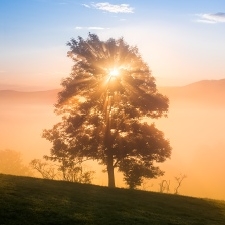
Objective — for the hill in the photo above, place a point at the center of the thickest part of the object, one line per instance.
(205, 92)
(26, 200)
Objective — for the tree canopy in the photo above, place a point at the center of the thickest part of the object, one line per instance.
(103, 103)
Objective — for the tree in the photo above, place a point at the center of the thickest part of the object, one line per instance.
(179, 180)
(69, 172)
(164, 185)
(11, 163)
(103, 102)
(46, 170)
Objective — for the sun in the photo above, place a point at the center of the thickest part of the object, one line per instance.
(113, 72)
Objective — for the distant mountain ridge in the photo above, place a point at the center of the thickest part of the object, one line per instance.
(204, 91)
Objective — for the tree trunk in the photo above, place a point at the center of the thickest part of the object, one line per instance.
(107, 142)
(110, 170)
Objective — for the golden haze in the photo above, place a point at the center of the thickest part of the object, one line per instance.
(195, 127)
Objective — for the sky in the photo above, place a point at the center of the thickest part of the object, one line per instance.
(182, 41)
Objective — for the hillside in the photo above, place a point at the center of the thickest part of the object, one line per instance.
(26, 200)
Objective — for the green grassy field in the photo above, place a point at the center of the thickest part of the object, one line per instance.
(32, 201)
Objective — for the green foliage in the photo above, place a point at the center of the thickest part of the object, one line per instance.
(11, 163)
(102, 114)
(36, 201)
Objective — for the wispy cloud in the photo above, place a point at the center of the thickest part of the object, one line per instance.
(91, 28)
(85, 5)
(211, 18)
(107, 7)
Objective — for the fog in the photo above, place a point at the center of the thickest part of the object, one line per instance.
(195, 128)
(197, 137)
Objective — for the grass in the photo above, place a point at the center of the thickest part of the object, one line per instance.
(25, 200)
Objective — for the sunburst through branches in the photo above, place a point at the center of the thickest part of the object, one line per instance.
(118, 90)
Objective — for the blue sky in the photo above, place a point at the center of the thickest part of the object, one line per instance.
(182, 41)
